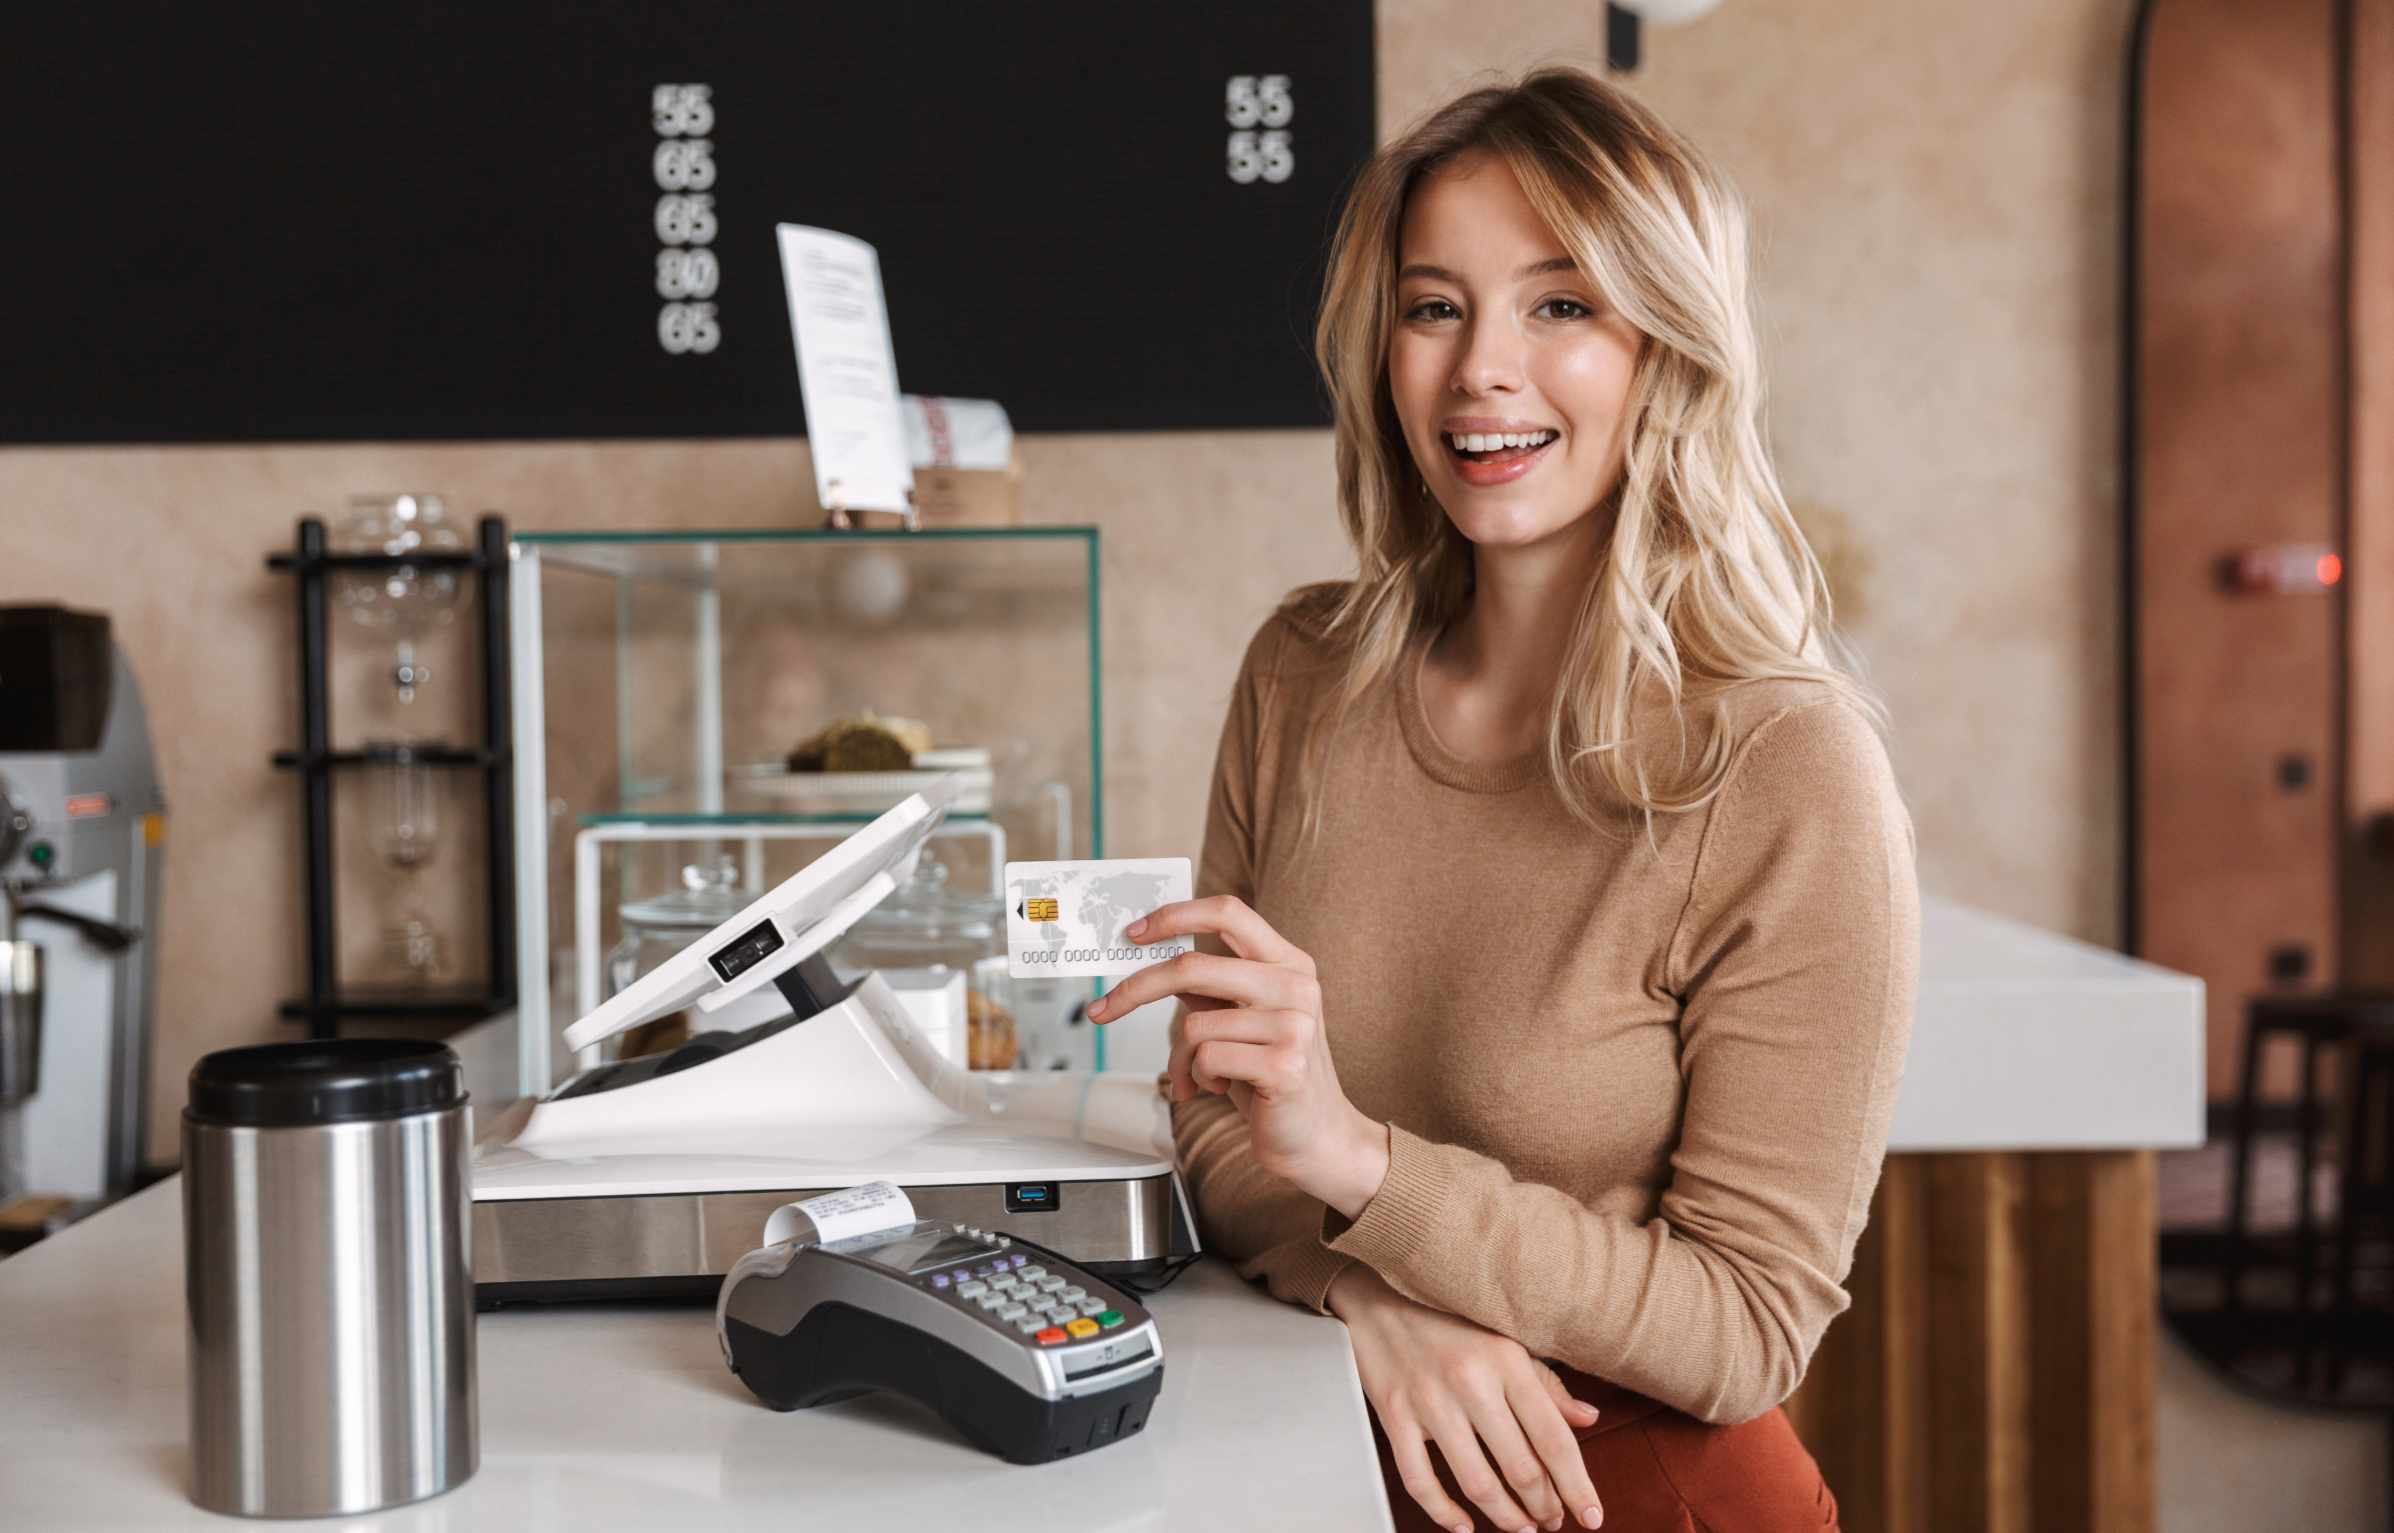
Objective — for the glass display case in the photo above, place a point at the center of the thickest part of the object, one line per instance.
(699, 714)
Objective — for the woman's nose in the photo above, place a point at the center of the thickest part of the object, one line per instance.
(1491, 360)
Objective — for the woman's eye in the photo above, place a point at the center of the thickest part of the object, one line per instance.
(1577, 310)
(1431, 308)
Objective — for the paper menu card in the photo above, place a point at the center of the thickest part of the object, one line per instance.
(847, 369)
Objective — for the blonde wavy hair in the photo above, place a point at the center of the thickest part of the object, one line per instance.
(1706, 583)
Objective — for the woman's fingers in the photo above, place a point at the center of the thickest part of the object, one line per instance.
(1420, 1480)
(1215, 1066)
(1547, 1424)
(1176, 1066)
(1237, 1024)
(1504, 1430)
(1581, 1413)
(1473, 1477)
(1242, 981)
(1228, 917)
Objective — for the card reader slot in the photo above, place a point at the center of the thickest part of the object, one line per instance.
(740, 955)
(1075, 1375)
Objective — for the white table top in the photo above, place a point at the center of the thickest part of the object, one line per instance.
(2025, 1040)
(623, 1417)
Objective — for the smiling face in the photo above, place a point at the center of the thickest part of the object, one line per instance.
(1509, 375)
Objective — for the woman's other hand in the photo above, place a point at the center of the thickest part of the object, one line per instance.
(1252, 1030)
(1436, 1377)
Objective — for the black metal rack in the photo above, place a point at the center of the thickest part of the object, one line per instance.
(327, 1002)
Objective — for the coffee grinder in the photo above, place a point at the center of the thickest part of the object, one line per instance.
(82, 837)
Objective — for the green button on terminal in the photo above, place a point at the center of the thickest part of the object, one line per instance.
(1110, 1319)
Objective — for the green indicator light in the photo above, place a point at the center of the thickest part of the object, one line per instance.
(41, 854)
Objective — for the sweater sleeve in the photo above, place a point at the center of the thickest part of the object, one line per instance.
(1261, 1222)
(1796, 962)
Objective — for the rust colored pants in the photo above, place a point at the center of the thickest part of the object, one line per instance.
(1657, 1470)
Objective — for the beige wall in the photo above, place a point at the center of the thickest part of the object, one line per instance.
(1936, 193)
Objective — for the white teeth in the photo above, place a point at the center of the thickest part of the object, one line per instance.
(1491, 441)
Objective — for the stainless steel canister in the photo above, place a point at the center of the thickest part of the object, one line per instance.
(328, 1278)
(20, 1021)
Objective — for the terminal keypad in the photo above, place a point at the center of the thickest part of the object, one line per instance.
(1022, 1298)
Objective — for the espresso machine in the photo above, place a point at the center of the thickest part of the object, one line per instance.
(82, 838)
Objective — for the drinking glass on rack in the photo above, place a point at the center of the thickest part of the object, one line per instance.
(407, 829)
(406, 601)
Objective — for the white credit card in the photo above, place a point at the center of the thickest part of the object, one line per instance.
(1066, 918)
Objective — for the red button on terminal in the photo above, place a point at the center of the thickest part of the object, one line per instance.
(1051, 1336)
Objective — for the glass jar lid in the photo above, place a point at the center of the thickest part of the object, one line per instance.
(709, 896)
(925, 915)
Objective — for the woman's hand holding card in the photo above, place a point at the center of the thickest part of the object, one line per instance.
(1252, 1030)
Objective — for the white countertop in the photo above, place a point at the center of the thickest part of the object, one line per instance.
(623, 1417)
(2025, 1040)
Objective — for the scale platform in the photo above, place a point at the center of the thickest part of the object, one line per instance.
(648, 1178)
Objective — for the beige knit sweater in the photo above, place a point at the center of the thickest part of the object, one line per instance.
(1637, 1091)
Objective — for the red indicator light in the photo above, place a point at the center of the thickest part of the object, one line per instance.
(2282, 569)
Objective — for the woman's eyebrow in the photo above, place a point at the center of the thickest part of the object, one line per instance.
(1534, 269)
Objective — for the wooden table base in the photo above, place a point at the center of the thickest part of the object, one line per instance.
(1996, 1371)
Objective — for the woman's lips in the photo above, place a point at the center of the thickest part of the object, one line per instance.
(1481, 470)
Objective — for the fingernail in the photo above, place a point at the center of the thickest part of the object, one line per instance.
(1593, 1517)
(1137, 928)
(1097, 1008)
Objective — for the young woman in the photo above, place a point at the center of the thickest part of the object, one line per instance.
(1559, 929)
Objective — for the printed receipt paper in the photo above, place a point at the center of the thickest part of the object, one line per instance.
(1066, 918)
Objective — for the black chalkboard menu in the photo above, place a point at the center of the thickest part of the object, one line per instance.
(282, 220)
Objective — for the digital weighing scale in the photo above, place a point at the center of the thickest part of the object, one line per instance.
(650, 1177)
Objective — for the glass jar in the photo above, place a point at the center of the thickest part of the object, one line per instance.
(943, 952)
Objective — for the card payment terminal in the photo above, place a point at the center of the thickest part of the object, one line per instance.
(1028, 1356)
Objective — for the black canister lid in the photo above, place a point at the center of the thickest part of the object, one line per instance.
(337, 1080)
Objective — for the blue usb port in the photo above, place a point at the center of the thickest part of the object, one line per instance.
(1032, 1197)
